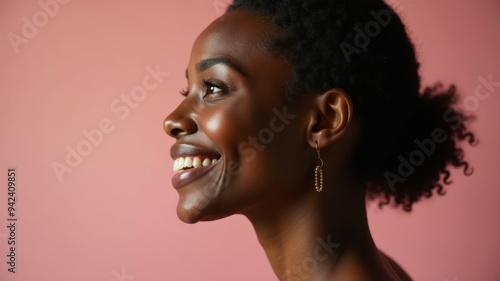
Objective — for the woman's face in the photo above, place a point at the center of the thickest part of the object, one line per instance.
(235, 115)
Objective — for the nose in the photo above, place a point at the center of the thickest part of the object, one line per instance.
(180, 122)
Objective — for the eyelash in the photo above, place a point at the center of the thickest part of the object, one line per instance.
(184, 92)
(207, 85)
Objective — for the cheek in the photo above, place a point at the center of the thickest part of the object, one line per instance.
(282, 160)
(261, 148)
(225, 128)
(232, 124)
(273, 155)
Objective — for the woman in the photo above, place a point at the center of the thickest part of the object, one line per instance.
(295, 112)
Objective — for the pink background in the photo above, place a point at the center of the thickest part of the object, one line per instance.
(115, 212)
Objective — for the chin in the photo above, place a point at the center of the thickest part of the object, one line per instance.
(193, 213)
(187, 219)
(192, 218)
(188, 213)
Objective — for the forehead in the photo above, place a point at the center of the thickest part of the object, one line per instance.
(237, 34)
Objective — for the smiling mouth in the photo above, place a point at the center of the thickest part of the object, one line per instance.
(192, 162)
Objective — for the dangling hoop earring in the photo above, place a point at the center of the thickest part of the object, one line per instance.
(318, 183)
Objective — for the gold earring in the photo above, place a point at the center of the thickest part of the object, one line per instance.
(318, 169)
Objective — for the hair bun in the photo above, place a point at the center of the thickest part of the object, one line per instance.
(417, 163)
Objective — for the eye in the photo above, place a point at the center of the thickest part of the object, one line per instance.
(212, 88)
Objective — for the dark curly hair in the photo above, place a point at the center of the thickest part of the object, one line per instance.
(408, 139)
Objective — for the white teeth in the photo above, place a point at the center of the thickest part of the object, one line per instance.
(196, 162)
(192, 162)
(188, 162)
(178, 163)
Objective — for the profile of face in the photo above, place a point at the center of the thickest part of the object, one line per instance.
(254, 118)
(241, 146)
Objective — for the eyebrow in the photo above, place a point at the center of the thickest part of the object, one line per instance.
(207, 63)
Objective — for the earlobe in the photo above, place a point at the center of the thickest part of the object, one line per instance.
(332, 115)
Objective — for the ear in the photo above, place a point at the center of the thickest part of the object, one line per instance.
(329, 118)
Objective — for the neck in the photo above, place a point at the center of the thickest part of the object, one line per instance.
(316, 237)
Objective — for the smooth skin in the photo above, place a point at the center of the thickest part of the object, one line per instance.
(236, 107)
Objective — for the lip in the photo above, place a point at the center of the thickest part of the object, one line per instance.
(184, 177)
(183, 150)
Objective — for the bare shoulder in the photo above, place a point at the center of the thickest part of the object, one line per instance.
(398, 270)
